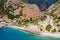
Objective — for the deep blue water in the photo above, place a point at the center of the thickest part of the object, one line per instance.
(45, 3)
(7, 33)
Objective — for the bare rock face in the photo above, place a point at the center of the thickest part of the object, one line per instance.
(31, 11)
(11, 6)
(17, 11)
(55, 8)
(12, 2)
(58, 10)
(51, 8)
(17, 7)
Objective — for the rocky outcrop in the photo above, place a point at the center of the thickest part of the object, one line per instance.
(55, 8)
(57, 12)
(19, 7)
(31, 11)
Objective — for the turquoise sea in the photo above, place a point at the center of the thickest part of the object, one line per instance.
(7, 33)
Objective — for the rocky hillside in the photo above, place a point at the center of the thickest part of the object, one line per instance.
(20, 9)
(20, 12)
(23, 10)
(54, 11)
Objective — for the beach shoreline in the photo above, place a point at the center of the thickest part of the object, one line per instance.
(44, 34)
(35, 29)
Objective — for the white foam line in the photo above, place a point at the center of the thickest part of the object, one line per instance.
(57, 35)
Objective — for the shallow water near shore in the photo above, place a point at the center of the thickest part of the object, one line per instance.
(7, 33)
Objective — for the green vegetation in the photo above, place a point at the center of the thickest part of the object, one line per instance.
(58, 30)
(54, 30)
(58, 25)
(48, 27)
(26, 22)
(3, 11)
(10, 16)
(41, 29)
(2, 7)
(30, 21)
(53, 15)
(43, 18)
(58, 17)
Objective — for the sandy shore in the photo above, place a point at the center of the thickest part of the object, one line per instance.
(56, 35)
(34, 29)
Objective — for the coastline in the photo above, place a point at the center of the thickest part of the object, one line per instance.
(45, 34)
(44, 23)
(34, 29)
